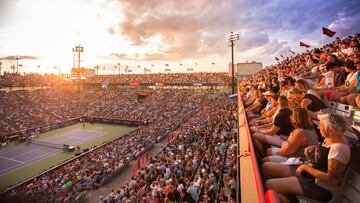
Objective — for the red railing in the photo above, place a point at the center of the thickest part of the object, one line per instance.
(248, 150)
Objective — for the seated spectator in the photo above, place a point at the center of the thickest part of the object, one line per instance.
(249, 97)
(303, 86)
(339, 93)
(329, 166)
(254, 111)
(351, 98)
(302, 136)
(280, 128)
(326, 81)
(284, 88)
(267, 116)
(309, 102)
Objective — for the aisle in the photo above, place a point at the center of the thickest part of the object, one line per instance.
(120, 179)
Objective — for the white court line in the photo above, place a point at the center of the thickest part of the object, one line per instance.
(27, 152)
(14, 160)
(42, 156)
(24, 164)
(37, 149)
(73, 137)
(14, 149)
(9, 169)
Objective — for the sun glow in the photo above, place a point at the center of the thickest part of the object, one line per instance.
(50, 29)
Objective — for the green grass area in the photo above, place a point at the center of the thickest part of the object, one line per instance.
(34, 168)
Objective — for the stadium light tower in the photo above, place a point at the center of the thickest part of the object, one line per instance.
(79, 49)
(97, 69)
(17, 58)
(231, 39)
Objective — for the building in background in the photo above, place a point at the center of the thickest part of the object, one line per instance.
(242, 70)
(81, 73)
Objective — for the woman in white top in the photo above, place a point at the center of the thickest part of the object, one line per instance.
(330, 160)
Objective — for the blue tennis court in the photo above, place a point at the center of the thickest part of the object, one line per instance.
(24, 154)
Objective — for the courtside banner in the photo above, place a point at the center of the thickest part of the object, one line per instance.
(160, 84)
(134, 84)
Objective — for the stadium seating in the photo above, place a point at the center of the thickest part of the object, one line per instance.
(299, 67)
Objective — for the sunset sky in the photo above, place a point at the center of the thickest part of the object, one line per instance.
(145, 32)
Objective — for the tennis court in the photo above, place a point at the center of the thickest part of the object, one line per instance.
(26, 153)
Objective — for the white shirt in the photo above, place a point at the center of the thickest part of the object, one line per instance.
(340, 152)
(328, 77)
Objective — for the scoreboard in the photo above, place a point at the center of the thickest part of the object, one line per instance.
(81, 73)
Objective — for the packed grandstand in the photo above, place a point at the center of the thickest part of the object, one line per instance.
(298, 111)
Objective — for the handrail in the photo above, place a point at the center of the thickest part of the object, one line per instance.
(258, 182)
(246, 154)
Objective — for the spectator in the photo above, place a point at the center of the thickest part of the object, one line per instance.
(302, 136)
(280, 127)
(333, 152)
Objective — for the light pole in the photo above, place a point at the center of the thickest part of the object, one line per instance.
(119, 67)
(97, 69)
(17, 58)
(231, 39)
(73, 51)
(79, 49)
(0, 67)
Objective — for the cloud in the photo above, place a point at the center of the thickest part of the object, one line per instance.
(23, 57)
(186, 29)
(346, 25)
(194, 29)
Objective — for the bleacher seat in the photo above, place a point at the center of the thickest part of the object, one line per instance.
(343, 110)
(348, 190)
(350, 113)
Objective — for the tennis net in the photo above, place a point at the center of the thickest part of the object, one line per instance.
(47, 144)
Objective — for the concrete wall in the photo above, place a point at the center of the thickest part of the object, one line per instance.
(244, 69)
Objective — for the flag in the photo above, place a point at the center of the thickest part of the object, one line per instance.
(276, 58)
(328, 32)
(291, 51)
(212, 63)
(166, 64)
(180, 64)
(302, 44)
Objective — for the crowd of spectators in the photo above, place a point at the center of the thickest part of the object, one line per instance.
(162, 78)
(329, 72)
(65, 183)
(21, 110)
(29, 79)
(190, 167)
(35, 79)
(282, 101)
